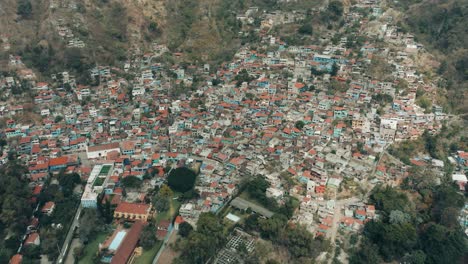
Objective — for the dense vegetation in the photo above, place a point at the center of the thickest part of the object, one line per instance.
(161, 200)
(24, 8)
(131, 182)
(181, 179)
(421, 230)
(203, 243)
(15, 208)
(441, 26)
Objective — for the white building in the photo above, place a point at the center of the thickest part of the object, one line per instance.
(94, 152)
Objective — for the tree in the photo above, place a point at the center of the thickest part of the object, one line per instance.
(49, 242)
(105, 209)
(67, 182)
(306, 29)
(89, 224)
(32, 252)
(430, 143)
(367, 254)
(131, 182)
(398, 217)
(15, 208)
(270, 228)
(5, 255)
(442, 245)
(3, 142)
(251, 222)
(393, 240)
(205, 242)
(449, 217)
(24, 8)
(181, 179)
(405, 235)
(299, 124)
(290, 205)
(161, 203)
(148, 236)
(334, 70)
(415, 257)
(388, 199)
(58, 118)
(243, 76)
(301, 243)
(335, 9)
(445, 197)
(185, 229)
(153, 27)
(165, 191)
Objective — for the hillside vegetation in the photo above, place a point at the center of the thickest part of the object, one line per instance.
(441, 27)
(112, 30)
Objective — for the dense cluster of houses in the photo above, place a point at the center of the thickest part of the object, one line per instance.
(294, 117)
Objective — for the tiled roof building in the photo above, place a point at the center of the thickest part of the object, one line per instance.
(133, 211)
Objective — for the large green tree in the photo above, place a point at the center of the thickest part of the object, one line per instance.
(131, 182)
(24, 8)
(429, 235)
(205, 242)
(181, 179)
(15, 207)
(148, 236)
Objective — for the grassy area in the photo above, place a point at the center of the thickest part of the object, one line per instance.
(105, 169)
(148, 255)
(92, 248)
(162, 216)
(99, 181)
(168, 215)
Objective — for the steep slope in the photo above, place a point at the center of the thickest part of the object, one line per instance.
(112, 30)
(441, 27)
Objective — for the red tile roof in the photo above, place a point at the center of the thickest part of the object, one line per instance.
(16, 259)
(58, 161)
(179, 219)
(48, 206)
(360, 212)
(128, 244)
(133, 208)
(114, 145)
(37, 176)
(37, 190)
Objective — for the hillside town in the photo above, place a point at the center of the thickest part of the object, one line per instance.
(315, 121)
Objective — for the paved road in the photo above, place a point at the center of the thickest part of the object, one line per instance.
(66, 243)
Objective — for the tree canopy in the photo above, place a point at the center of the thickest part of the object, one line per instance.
(203, 243)
(131, 182)
(185, 229)
(181, 179)
(243, 76)
(148, 236)
(15, 209)
(24, 8)
(406, 235)
(335, 8)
